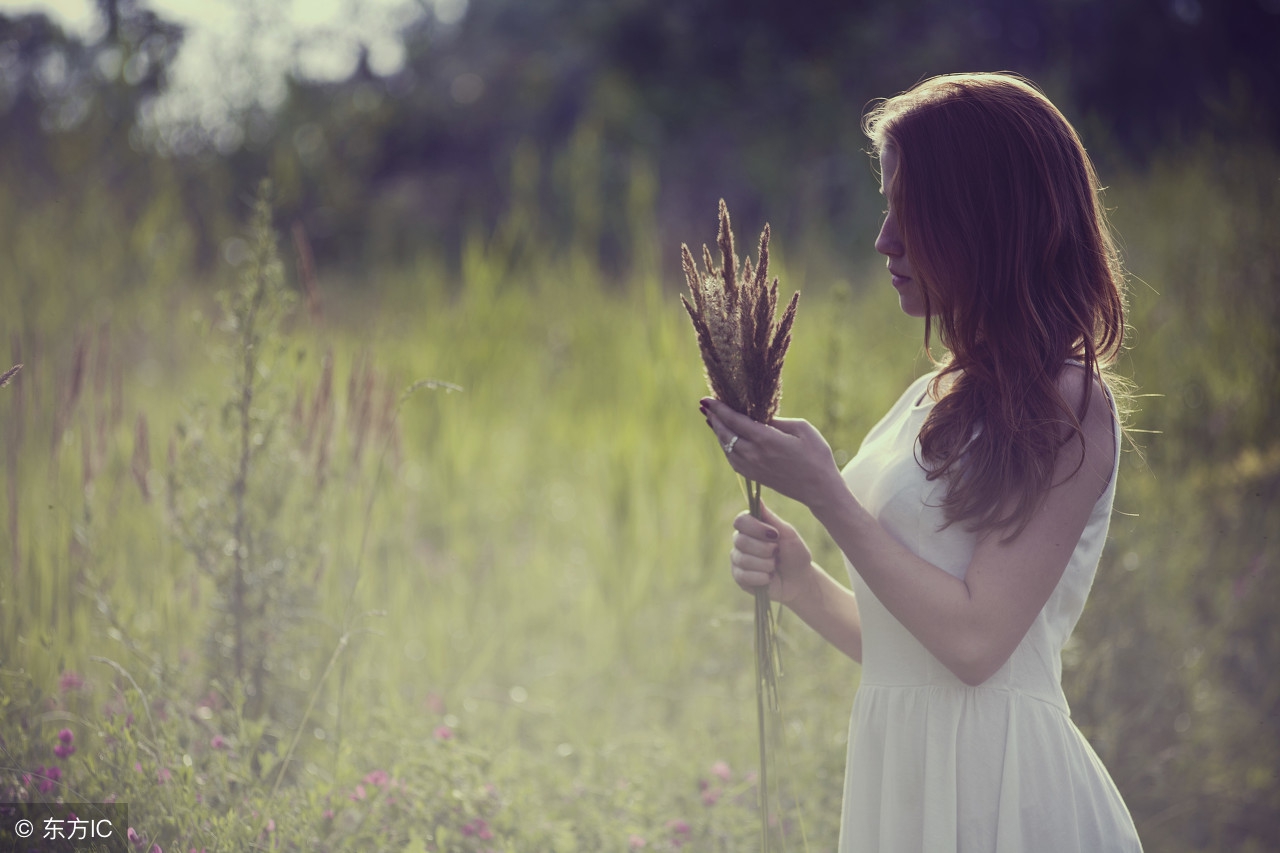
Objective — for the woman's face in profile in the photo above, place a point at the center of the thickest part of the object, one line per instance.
(889, 243)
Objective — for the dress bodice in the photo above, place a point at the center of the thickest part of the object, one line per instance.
(889, 480)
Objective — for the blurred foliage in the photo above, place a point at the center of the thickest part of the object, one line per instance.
(1168, 670)
(755, 101)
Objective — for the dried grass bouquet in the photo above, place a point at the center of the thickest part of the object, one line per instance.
(743, 348)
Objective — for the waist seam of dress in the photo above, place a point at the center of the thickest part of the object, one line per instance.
(1056, 704)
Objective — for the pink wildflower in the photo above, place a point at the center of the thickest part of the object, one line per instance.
(155, 848)
(377, 778)
(444, 733)
(70, 680)
(328, 814)
(48, 780)
(66, 746)
(483, 832)
(359, 793)
(218, 742)
(163, 775)
(721, 769)
(134, 838)
(636, 842)
(679, 827)
(711, 796)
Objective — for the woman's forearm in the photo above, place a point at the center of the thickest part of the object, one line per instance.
(830, 609)
(932, 604)
(972, 625)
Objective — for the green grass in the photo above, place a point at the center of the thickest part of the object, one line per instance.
(544, 566)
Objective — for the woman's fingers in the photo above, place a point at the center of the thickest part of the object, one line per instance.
(749, 580)
(753, 559)
(727, 439)
(750, 547)
(752, 562)
(734, 430)
(751, 569)
(727, 417)
(748, 525)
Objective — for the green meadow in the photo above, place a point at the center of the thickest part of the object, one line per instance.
(433, 555)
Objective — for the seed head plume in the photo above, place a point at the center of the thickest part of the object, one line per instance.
(733, 314)
(742, 346)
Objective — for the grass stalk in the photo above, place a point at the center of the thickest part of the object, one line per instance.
(768, 670)
(358, 573)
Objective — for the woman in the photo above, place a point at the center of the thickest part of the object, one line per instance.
(973, 516)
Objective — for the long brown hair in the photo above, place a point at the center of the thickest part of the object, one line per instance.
(999, 211)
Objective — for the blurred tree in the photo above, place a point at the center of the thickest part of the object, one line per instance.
(750, 100)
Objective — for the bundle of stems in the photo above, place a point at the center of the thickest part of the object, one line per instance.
(743, 345)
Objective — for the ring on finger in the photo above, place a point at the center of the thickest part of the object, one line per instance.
(728, 445)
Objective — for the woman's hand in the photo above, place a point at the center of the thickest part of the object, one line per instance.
(787, 455)
(769, 552)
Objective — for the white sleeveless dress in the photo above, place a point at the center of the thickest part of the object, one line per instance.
(935, 765)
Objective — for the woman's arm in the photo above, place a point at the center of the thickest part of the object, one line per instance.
(973, 625)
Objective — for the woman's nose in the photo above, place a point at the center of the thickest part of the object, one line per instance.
(887, 241)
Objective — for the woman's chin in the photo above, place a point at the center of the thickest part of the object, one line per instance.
(911, 303)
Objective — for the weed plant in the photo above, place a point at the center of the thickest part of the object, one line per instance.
(240, 498)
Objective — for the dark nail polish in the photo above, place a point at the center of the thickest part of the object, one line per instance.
(772, 534)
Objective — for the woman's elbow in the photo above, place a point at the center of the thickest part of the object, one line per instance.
(974, 675)
(974, 663)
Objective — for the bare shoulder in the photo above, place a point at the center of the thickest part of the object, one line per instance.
(1091, 402)
(1074, 384)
